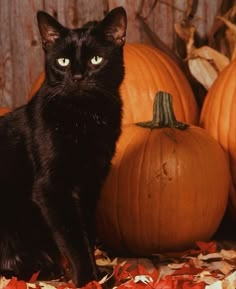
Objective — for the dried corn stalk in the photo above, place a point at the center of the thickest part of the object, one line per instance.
(230, 34)
(205, 63)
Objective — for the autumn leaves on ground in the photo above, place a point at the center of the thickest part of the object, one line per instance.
(206, 266)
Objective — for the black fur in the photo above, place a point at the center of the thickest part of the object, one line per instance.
(56, 151)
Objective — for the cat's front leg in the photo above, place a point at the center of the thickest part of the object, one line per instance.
(60, 211)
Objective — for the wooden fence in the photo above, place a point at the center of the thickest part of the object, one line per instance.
(21, 56)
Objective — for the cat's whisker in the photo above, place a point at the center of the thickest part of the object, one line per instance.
(55, 91)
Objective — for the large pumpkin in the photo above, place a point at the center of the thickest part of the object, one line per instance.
(148, 70)
(218, 117)
(167, 188)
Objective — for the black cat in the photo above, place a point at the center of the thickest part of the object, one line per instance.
(56, 151)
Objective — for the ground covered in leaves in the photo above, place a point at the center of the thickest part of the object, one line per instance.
(209, 265)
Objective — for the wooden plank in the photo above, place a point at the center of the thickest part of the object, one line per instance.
(74, 13)
(6, 65)
(26, 58)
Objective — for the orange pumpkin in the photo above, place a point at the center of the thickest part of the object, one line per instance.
(148, 70)
(4, 110)
(167, 188)
(218, 117)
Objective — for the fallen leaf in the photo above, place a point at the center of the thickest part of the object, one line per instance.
(195, 261)
(3, 282)
(143, 279)
(206, 277)
(228, 254)
(176, 266)
(121, 272)
(207, 247)
(34, 277)
(217, 285)
(187, 270)
(210, 256)
(44, 285)
(222, 266)
(16, 284)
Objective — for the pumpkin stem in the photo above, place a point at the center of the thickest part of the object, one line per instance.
(163, 113)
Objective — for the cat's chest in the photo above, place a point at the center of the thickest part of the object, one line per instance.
(81, 130)
(84, 143)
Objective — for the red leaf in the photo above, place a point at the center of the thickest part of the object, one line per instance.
(66, 285)
(203, 247)
(154, 274)
(34, 277)
(21, 285)
(15, 284)
(190, 285)
(139, 270)
(92, 285)
(207, 247)
(166, 283)
(121, 272)
(11, 284)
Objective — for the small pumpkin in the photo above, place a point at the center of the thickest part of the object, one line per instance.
(148, 70)
(218, 117)
(167, 188)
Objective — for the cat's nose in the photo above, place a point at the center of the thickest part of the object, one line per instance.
(77, 77)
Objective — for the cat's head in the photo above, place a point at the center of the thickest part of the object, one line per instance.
(79, 60)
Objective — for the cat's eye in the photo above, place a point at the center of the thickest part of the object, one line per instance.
(64, 62)
(96, 60)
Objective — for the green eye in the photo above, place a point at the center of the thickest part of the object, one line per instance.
(63, 62)
(96, 60)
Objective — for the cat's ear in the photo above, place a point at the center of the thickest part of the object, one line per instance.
(114, 25)
(50, 30)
